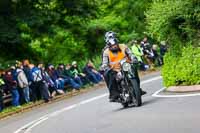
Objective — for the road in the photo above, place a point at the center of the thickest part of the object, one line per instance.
(92, 113)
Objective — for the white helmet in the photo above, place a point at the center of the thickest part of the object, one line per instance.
(110, 36)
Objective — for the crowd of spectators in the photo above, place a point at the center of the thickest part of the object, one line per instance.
(27, 82)
(147, 54)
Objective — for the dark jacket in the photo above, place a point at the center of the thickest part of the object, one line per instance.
(68, 73)
(163, 50)
(60, 73)
(88, 70)
(10, 82)
(53, 74)
(28, 74)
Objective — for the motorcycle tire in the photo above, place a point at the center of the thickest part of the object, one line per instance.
(125, 105)
(137, 93)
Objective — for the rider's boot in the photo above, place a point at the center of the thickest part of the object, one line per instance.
(143, 92)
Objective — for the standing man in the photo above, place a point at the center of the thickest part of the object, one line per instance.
(23, 83)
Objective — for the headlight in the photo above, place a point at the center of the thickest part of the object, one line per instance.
(126, 67)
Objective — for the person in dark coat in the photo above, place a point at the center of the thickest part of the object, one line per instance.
(11, 83)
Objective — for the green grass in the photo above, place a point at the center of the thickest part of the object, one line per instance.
(15, 109)
(9, 110)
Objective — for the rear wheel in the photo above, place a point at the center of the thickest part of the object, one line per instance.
(137, 93)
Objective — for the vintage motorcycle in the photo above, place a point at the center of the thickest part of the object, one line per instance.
(130, 92)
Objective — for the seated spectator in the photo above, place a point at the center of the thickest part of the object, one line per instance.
(11, 83)
(2, 83)
(69, 72)
(77, 73)
(67, 79)
(58, 82)
(92, 74)
(49, 84)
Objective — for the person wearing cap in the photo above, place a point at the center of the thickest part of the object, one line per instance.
(112, 54)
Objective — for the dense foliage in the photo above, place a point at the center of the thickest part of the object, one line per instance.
(177, 22)
(64, 30)
(183, 69)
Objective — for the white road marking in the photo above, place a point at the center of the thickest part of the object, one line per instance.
(35, 124)
(29, 124)
(94, 98)
(62, 110)
(28, 127)
(156, 94)
(150, 80)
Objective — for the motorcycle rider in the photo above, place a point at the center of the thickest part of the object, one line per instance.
(113, 52)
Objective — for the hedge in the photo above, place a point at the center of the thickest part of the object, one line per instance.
(183, 69)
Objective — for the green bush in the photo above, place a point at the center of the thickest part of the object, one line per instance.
(183, 69)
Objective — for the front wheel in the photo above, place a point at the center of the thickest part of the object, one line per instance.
(137, 93)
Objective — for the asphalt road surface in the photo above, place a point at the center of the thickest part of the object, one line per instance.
(92, 113)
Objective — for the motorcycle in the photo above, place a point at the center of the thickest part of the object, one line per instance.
(130, 93)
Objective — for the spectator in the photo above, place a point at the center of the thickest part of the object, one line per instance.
(49, 84)
(157, 59)
(12, 85)
(28, 74)
(59, 84)
(76, 73)
(68, 72)
(27, 70)
(22, 83)
(67, 79)
(39, 87)
(2, 83)
(147, 50)
(92, 74)
(137, 51)
(163, 49)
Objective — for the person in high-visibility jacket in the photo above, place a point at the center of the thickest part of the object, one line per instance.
(138, 52)
(113, 53)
